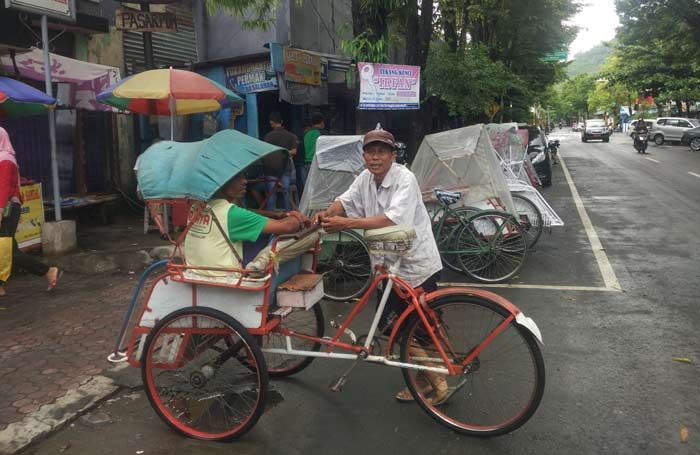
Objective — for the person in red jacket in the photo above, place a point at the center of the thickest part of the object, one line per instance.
(10, 208)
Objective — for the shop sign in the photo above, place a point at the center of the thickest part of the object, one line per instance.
(144, 21)
(32, 217)
(63, 9)
(251, 77)
(302, 67)
(389, 87)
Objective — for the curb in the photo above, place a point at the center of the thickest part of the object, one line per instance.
(51, 417)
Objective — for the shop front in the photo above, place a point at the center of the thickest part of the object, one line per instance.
(294, 82)
(86, 152)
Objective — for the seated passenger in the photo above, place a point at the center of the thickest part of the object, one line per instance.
(215, 239)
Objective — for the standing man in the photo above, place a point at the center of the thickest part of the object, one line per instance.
(279, 165)
(387, 194)
(310, 139)
(301, 156)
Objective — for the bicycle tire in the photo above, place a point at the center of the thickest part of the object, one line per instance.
(533, 224)
(472, 406)
(279, 365)
(224, 369)
(491, 246)
(444, 237)
(346, 266)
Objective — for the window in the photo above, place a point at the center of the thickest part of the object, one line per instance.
(661, 122)
(672, 122)
(683, 124)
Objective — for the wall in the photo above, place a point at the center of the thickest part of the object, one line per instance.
(222, 36)
(321, 25)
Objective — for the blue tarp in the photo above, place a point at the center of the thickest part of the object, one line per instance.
(196, 170)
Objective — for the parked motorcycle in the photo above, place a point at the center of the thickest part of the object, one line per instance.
(553, 146)
(641, 141)
(401, 155)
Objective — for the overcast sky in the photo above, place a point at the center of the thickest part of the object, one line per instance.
(597, 21)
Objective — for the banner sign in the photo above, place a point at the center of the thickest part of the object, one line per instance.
(64, 9)
(143, 21)
(32, 217)
(389, 87)
(251, 77)
(302, 67)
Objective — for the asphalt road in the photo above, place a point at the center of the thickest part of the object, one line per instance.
(612, 383)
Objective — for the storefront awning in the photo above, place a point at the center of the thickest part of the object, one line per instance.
(86, 79)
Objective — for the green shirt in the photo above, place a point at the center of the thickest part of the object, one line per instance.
(244, 224)
(310, 139)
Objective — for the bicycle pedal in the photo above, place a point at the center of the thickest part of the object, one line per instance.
(337, 386)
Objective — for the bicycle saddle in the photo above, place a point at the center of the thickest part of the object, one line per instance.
(391, 239)
(447, 197)
(398, 233)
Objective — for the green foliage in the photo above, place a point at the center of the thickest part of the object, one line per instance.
(659, 49)
(467, 80)
(254, 14)
(363, 48)
(591, 61)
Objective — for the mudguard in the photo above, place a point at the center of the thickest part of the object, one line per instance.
(519, 316)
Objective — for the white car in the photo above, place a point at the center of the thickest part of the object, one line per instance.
(670, 128)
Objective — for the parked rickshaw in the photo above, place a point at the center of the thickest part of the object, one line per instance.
(534, 212)
(344, 257)
(474, 217)
(207, 346)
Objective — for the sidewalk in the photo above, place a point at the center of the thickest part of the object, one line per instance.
(54, 345)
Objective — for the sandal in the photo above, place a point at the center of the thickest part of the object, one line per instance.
(53, 281)
(2, 291)
(422, 385)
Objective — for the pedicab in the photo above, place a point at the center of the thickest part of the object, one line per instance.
(474, 217)
(207, 344)
(534, 213)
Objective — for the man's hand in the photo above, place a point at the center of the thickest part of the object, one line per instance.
(303, 219)
(335, 223)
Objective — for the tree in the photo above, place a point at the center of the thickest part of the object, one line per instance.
(467, 80)
(660, 47)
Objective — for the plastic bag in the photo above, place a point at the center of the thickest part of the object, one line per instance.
(5, 258)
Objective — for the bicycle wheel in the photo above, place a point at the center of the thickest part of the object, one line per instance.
(445, 238)
(491, 246)
(530, 219)
(204, 374)
(345, 264)
(308, 322)
(498, 391)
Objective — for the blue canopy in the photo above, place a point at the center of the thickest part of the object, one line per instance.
(196, 170)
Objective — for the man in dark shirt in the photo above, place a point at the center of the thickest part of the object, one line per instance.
(279, 167)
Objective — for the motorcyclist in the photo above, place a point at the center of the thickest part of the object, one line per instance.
(639, 128)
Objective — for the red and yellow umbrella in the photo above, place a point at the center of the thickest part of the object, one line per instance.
(168, 92)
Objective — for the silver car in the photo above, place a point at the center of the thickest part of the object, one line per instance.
(670, 128)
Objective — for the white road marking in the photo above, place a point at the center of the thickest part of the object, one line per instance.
(606, 269)
(529, 286)
(694, 174)
(652, 159)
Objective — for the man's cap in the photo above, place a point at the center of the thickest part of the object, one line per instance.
(379, 136)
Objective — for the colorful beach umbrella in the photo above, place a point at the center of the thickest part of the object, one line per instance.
(168, 92)
(18, 99)
(154, 92)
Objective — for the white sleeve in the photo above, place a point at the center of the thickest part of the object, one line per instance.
(404, 202)
(351, 199)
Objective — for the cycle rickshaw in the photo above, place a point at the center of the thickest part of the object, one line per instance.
(510, 147)
(207, 346)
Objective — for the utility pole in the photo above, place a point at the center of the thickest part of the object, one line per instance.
(52, 118)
